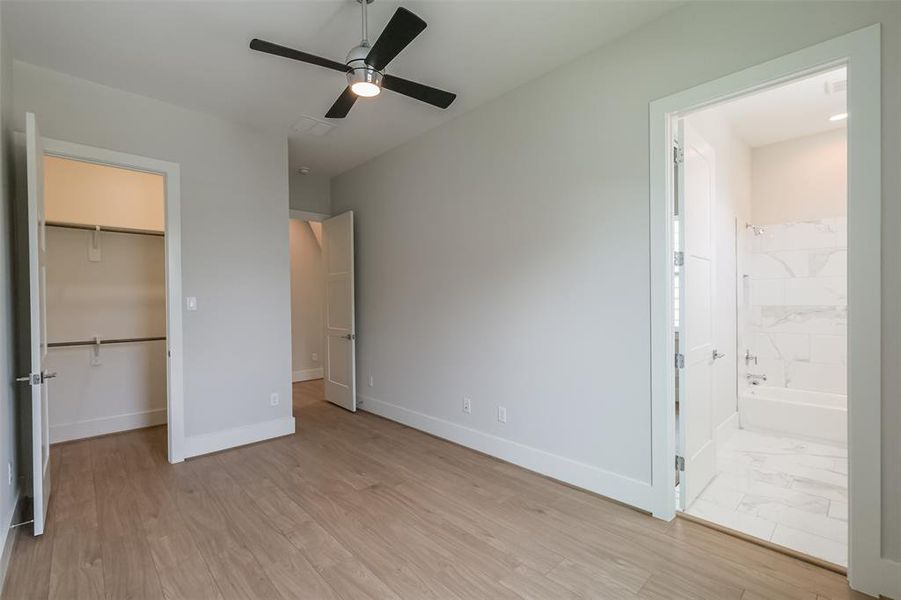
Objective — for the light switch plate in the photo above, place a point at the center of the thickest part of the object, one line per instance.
(191, 302)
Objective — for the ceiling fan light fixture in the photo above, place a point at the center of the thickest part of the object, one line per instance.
(365, 82)
(365, 89)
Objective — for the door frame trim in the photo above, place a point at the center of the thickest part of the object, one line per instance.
(174, 330)
(860, 50)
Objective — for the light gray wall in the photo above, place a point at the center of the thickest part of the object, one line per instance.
(234, 206)
(310, 192)
(8, 433)
(307, 289)
(504, 255)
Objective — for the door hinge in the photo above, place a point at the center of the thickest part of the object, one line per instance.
(678, 155)
(679, 258)
(680, 463)
(680, 361)
(31, 379)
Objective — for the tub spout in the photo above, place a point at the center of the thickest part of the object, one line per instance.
(755, 378)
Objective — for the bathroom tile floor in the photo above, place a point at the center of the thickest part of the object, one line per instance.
(791, 492)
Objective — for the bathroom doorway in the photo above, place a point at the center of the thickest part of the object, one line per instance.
(760, 315)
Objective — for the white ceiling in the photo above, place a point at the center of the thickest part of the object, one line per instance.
(786, 112)
(195, 54)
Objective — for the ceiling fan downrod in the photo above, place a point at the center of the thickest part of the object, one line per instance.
(363, 79)
(363, 5)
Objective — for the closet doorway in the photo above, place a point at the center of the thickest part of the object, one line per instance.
(70, 306)
(60, 254)
(113, 294)
(106, 298)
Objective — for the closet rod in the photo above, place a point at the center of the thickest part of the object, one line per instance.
(104, 342)
(107, 229)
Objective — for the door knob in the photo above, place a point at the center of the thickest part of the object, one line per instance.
(349, 336)
(717, 354)
(48, 375)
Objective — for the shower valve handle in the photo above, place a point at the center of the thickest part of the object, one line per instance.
(749, 357)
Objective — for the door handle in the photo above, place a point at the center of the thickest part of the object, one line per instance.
(717, 354)
(350, 336)
(47, 375)
(32, 379)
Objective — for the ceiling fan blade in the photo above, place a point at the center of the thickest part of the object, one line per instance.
(270, 48)
(400, 31)
(431, 95)
(342, 105)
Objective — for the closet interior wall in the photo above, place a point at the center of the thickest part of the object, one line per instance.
(105, 285)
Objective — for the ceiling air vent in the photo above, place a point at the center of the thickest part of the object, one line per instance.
(311, 126)
(836, 87)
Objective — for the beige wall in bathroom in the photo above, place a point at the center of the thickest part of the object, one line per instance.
(801, 179)
(91, 194)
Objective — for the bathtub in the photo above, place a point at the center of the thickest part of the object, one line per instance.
(815, 415)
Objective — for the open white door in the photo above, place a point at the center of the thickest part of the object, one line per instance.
(695, 197)
(340, 350)
(31, 259)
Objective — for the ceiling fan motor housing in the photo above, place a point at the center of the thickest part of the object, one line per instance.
(359, 71)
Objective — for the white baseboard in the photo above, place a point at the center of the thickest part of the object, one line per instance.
(9, 540)
(306, 374)
(623, 489)
(726, 429)
(205, 443)
(105, 425)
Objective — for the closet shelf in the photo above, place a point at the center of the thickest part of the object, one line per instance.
(103, 342)
(104, 228)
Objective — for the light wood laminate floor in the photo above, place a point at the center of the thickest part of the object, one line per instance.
(354, 506)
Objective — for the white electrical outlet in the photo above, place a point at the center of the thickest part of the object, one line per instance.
(467, 406)
(315, 357)
(501, 414)
(371, 380)
(273, 399)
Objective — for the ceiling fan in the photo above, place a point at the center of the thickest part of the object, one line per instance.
(365, 64)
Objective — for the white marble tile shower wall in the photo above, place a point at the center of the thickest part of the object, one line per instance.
(798, 308)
